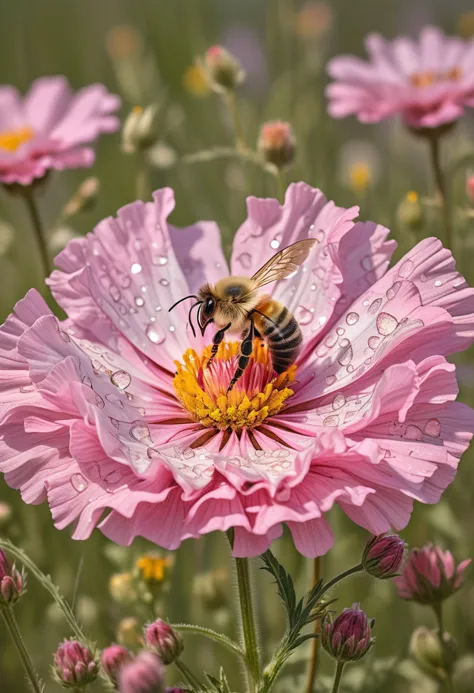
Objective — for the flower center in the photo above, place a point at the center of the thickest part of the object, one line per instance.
(10, 140)
(427, 79)
(257, 395)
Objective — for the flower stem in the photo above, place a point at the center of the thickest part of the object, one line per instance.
(314, 662)
(231, 101)
(212, 635)
(188, 675)
(37, 224)
(280, 185)
(339, 578)
(438, 609)
(337, 677)
(143, 187)
(14, 631)
(248, 619)
(442, 189)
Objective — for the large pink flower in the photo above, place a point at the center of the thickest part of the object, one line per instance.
(114, 411)
(49, 126)
(428, 82)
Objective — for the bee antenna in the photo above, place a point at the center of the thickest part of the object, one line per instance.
(190, 317)
(180, 301)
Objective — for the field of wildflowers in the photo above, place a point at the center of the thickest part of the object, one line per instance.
(253, 484)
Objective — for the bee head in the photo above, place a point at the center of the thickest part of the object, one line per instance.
(207, 308)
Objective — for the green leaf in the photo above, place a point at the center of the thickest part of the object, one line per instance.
(285, 587)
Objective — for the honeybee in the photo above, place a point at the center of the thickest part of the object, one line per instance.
(235, 305)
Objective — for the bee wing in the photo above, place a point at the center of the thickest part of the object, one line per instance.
(284, 263)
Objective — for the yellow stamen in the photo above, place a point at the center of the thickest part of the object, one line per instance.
(204, 394)
(360, 176)
(10, 140)
(412, 196)
(427, 79)
(153, 568)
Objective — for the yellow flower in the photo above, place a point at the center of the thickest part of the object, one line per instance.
(195, 81)
(122, 588)
(153, 569)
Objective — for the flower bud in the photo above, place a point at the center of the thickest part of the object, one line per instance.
(112, 659)
(223, 70)
(433, 658)
(12, 582)
(144, 674)
(140, 130)
(129, 633)
(383, 556)
(276, 143)
(160, 637)
(410, 212)
(84, 198)
(122, 588)
(75, 665)
(348, 638)
(430, 575)
(470, 188)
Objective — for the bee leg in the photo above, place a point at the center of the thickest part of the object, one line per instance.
(246, 348)
(216, 340)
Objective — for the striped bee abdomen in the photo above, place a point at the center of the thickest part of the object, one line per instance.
(277, 326)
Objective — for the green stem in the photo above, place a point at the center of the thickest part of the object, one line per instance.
(337, 677)
(339, 578)
(280, 185)
(47, 583)
(442, 189)
(231, 101)
(14, 631)
(212, 635)
(248, 620)
(143, 190)
(438, 609)
(188, 675)
(314, 662)
(38, 228)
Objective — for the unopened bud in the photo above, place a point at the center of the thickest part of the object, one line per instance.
(12, 582)
(348, 638)
(470, 188)
(432, 657)
(84, 198)
(223, 70)
(410, 212)
(383, 556)
(144, 674)
(276, 143)
(140, 130)
(112, 659)
(75, 665)
(430, 575)
(129, 633)
(160, 637)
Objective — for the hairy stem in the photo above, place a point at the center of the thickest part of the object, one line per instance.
(248, 618)
(441, 189)
(231, 101)
(337, 677)
(14, 631)
(212, 635)
(280, 185)
(38, 228)
(339, 578)
(438, 609)
(188, 675)
(314, 662)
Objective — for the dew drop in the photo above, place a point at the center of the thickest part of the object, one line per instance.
(330, 379)
(303, 315)
(139, 431)
(322, 320)
(154, 334)
(373, 342)
(136, 268)
(438, 282)
(331, 339)
(332, 420)
(121, 379)
(275, 244)
(113, 477)
(157, 309)
(122, 309)
(375, 305)
(172, 328)
(413, 432)
(87, 381)
(139, 301)
(99, 401)
(393, 291)
(162, 260)
(144, 289)
(245, 260)
(114, 422)
(386, 324)
(352, 318)
(365, 303)
(406, 269)
(338, 401)
(423, 277)
(164, 282)
(350, 369)
(115, 400)
(344, 342)
(124, 280)
(340, 331)
(115, 293)
(79, 483)
(313, 287)
(64, 336)
(367, 263)
(346, 357)
(432, 428)
(321, 351)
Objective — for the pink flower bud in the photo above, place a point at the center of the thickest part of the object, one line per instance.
(430, 575)
(144, 674)
(112, 658)
(75, 665)
(349, 637)
(470, 188)
(12, 582)
(383, 556)
(223, 70)
(160, 637)
(276, 143)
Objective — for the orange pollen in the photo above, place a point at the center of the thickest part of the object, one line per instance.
(257, 395)
(427, 79)
(10, 140)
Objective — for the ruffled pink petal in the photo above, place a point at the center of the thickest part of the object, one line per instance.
(46, 103)
(88, 115)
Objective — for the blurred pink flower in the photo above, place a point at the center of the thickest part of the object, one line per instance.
(430, 575)
(429, 81)
(144, 674)
(49, 126)
(114, 411)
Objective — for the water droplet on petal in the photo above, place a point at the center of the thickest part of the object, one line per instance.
(352, 318)
(373, 342)
(365, 303)
(162, 260)
(321, 351)
(331, 339)
(79, 483)
(245, 260)
(386, 324)
(346, 357)
(115, 293)
(121, 379)
(275, 244)
(164, 282)
(139, 301)
(99, 401)
(124, 280)
(303, 316)
(139, 431)
(330, 379)
(87, 381)
(423, 277)
(332, 420)
(438, 282)
(340, 331)
(375, 305)
(344, 342)
(115, 400)
(338, 401)
(406, 269)
(114, 422)
(113, 477)
(350, 368)
(313, 287)
(393, 291)
(413, 432)
(136, 268)
(154, 334)
(432, 428)
(172, 328)
(64, 336)
(367, 263)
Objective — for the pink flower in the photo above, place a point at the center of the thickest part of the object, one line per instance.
(383, 556)
(49, 127)
(350, 636)
(166, 642)
(112, 659)
(430, 575)
(113, 418)
(429, 81)
(144, 674)
(75, 665)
